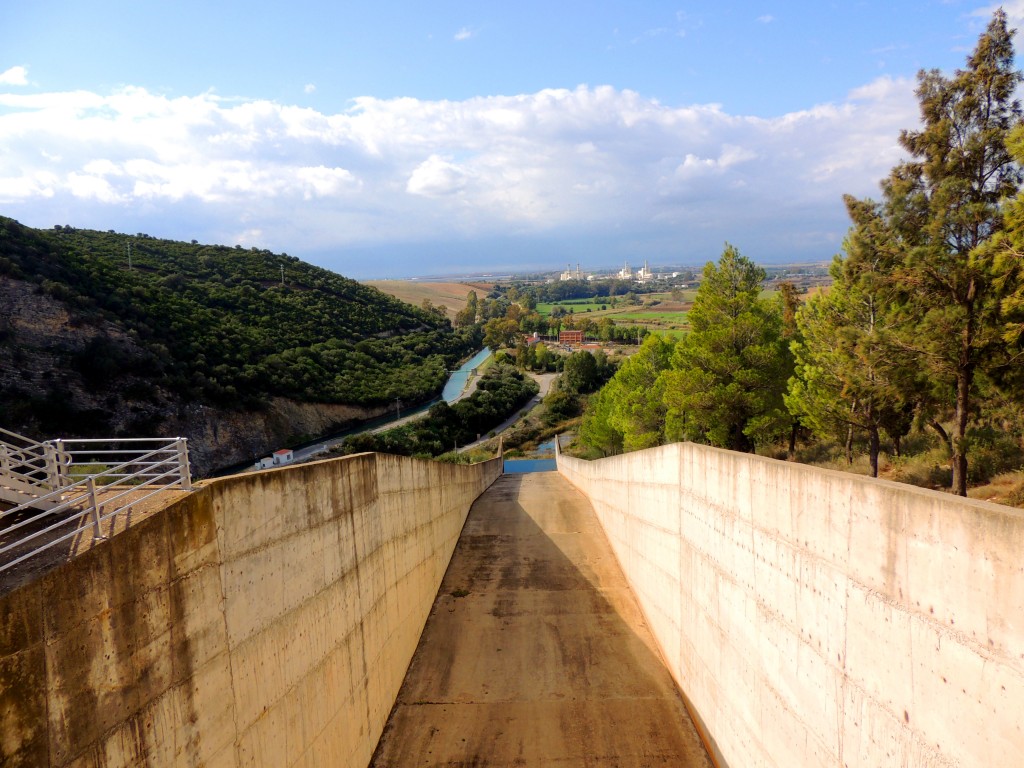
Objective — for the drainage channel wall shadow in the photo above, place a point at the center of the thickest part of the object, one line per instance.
(265, 620)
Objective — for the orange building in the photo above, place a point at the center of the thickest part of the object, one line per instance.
(570, 337)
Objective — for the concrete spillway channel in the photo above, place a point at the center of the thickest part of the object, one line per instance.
(536, 652)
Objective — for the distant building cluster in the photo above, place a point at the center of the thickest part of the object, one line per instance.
(643, 275)
(570, 275)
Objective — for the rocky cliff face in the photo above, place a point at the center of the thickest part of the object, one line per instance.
(219, 438)
(61, 376)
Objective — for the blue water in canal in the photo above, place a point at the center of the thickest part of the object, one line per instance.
(522, 466)
(457, 381)
(541, 461)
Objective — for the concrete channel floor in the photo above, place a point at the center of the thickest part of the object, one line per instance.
(536, 652)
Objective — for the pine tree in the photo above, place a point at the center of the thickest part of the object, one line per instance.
(467, 315)
(1006, 251)
(847, 373)
(729, 372)
(628, 413)
(943, 204)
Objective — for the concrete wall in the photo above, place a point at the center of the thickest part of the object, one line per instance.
(265, 620)
(817, 618)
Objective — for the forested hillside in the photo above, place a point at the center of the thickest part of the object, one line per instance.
(105, 333)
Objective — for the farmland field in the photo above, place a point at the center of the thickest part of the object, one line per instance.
(576, 306)
(451, 296)
(666, 316)
(654, 315)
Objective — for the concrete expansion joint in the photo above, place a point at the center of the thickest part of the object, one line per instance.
(267, 544)
(236, 741)
(936, 758)
(985, 650)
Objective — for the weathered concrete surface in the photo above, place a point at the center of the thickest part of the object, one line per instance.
(818, 618)
(265, 620)
(535, 652)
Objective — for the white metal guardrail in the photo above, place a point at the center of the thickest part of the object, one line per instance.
(26, 467)
(69, 486)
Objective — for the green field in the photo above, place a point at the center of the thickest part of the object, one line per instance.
(576, 306)
(688, 295)
(678, 318)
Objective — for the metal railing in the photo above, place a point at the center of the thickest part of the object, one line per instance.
(26, 466)
(78, 484)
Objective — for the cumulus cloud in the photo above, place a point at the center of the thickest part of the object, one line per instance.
(558, 161)
(464, 34)
(14, 76)
(766, 19)
(1014, 11)
(309, 88)
(436, 176)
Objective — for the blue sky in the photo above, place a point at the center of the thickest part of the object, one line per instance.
(405, 138)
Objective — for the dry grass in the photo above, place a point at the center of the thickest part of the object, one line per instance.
(451, 296)
(926, 464)
(1007, 488)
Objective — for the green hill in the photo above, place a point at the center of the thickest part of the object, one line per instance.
(90, 345)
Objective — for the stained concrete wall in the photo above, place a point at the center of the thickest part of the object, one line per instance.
(817, 618)
(265, 620)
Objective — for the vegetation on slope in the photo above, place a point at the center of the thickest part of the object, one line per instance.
(218, 325)
(501, 390)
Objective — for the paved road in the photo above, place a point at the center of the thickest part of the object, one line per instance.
(545, 660)
(322, 447)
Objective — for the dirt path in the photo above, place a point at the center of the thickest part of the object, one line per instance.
(535, 652)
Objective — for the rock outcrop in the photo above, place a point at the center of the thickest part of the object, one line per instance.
(58, 379)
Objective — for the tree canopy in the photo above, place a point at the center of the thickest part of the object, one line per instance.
(728, 373)
(225, 326)
(943, 206)
(924, 320)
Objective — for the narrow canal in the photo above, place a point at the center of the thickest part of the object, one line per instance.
(453, 389)
(457, 381)
(540, 460)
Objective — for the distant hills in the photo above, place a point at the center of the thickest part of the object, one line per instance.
(105, 334)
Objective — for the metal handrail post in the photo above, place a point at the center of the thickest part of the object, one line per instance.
(5, 462)
(181, 444)
(75, 501)
(52, 464)
(94, 502)
(64, 460)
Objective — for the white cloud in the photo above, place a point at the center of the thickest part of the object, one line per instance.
(464, 34)
(766, 19)
(435, 177)
(14, 76)
(587, 160)
(309, 88)
(1014, 11)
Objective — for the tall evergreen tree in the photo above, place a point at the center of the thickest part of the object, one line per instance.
(943, 205)
(847, 375)
(628, 413)
(596, 428)
(467, 315)
(729, 372)
(1006, 250)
